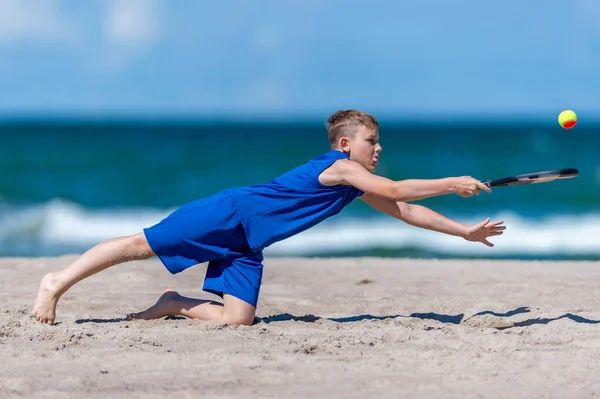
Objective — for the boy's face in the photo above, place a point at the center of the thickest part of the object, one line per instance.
(363, 147)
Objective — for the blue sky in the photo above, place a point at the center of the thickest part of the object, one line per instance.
(266, 58)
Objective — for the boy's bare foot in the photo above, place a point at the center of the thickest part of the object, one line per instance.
(163, 307)
(44, 307)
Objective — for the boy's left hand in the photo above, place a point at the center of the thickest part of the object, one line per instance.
(481, 231)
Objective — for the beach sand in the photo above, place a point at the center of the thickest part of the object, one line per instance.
(346, 327)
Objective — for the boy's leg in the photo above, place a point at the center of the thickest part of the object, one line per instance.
(98, 258)
(232, 311)
(240, 277)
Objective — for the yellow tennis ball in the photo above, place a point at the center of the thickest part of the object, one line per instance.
(567, 119)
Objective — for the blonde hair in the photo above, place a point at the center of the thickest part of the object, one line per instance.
(344, 123)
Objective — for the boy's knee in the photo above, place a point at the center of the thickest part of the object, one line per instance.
(236, 311)
(238, 322)
(244, 320)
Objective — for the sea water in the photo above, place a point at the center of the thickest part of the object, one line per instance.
(66, 186)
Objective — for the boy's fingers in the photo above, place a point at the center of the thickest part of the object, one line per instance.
(484, 187)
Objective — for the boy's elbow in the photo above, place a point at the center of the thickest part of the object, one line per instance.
(397, 193)
(404, 192)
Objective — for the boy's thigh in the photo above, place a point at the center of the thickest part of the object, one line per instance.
(237, 311)
(237, 280)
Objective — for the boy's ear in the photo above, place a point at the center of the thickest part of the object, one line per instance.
(344, 144)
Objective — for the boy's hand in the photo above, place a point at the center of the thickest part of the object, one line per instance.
(481, 231)
(467, 186)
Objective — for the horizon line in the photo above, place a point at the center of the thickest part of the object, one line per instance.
(306, 119)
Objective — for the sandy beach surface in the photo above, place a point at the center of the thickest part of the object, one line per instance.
(347, 327)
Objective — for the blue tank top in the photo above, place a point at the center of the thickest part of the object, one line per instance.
(291, 203)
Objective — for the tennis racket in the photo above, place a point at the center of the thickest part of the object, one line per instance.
(533, 178)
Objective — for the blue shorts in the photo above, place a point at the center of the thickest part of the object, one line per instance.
(209, 230)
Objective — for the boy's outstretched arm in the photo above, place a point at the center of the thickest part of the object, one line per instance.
(351, 173)
(425, 218)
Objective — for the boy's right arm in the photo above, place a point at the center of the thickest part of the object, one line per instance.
(351, 173)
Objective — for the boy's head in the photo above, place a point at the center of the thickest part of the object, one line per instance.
(357, 134)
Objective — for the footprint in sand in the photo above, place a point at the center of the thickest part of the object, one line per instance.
(488, 321)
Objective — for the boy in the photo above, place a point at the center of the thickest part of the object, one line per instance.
(230, 229)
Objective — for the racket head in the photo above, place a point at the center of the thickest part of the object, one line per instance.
(533, 178)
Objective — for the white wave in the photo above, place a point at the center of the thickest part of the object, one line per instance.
(61, 224)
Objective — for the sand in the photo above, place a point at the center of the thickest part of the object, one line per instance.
(355, 327)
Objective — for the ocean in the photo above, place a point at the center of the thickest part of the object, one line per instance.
(66, 186)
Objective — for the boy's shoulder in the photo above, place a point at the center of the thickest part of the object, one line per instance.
(333, 174)
(310, 170)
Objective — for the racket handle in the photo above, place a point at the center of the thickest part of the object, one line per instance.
(486, 182)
